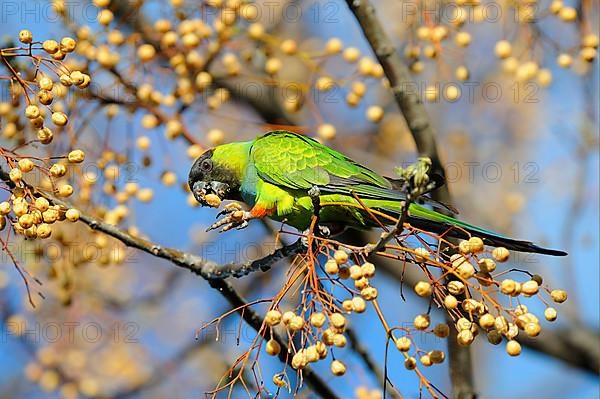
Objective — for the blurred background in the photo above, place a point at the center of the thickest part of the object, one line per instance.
(511, 88)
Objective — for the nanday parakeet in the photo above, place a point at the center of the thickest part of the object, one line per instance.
(274, 173)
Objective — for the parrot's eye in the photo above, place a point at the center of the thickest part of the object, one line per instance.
(206, 165)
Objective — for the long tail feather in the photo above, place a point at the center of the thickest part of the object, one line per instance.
(426, 219)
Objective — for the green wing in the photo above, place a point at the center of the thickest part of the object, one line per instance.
(298, 162)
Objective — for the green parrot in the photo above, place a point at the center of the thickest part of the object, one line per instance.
(275, 173)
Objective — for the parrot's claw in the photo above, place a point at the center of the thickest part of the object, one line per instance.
(235, 218)
(230, 208)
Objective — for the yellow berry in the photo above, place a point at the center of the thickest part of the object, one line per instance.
(375, 113)
(4, 208)
(439, 33)
(59, 118)
(145, 195)
(279, 381)
(72, 215)
(487, 321)
(45, 135)
(465, 337)
(326, 131)
(351, 54)
(338, 368)
(426, 360)
(273, 66)
(365, 66)
(58, 170)
(437, 356)
(296, 323)
(273, 317)
(287, 317)
(558, 296)
(423, 288)
(317, 319)
(352, 99)
(32, 111)
(15, 175)
(422, 254)
(143, 143)
(369, 293)
(358, 304)
(465, 270)
(299, 360)
(476, 244)
(337, 320)
(215, 136)
(105, 17)
(403, 344)
(256, 30)
(333, 46)
(146, 52)
(508, 287)
(588, 53)
(272, 347)
(567, 14)
(289, 46)
(76, 156)
(550, 314)
(65, 190)
(67, 44)
(340, 256)
(441, 330)
(203, 80)
(26, 165)
(50, 46)
(410, 363)
(44, 230)
(149, 121)
(513, 348)
(421, 322)
(462, 73)
(503, 49)
(331, 266)
(530, 287)
(325, 83)
(564, 60)
(367, 269)
(25, 36)
(26, 221)
(556, 6)
(46, 83)
(355, 272)
(452, 92)
(590, 40)
(500, 254)
(462, 39)
(456, 287)
(544, 77)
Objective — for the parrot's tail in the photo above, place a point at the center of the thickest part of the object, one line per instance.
(426, 219)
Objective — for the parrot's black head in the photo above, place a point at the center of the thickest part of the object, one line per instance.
(210, 177)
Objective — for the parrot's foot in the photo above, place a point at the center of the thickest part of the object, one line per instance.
(230, 208)
(235, 218)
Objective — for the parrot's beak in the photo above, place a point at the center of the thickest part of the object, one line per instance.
(201, 189)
